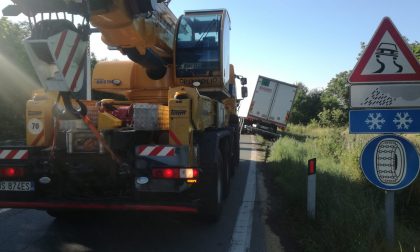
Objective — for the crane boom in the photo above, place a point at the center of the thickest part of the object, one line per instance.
(141, 29)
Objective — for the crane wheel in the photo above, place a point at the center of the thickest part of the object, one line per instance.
(212, 193)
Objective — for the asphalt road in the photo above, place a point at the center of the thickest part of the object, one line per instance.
(33, 230)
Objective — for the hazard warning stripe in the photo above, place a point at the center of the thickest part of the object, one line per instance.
(174, 137)
(71, 55)
(14, 154)
(38, 138)
(11, 154)
(79, 70)
(156, 151)
(60, 44)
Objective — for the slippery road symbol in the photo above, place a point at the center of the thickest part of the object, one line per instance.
(387, 50)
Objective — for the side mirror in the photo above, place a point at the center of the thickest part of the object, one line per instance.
(244, 91)
(244, 81)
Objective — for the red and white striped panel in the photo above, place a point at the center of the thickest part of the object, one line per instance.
(69, 51)
(156, 151)
(14, 154)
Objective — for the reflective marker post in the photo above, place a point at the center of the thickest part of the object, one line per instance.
(390, 218)
(311, 197)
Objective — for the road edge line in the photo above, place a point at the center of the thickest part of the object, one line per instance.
(3, 210)
(241, 237)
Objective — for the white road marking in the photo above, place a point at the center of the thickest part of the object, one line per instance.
(241, 238)
(3, 210)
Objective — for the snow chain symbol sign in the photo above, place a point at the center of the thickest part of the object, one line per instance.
(390, 165)
(390, 162)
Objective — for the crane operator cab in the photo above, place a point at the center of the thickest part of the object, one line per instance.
(202, 52)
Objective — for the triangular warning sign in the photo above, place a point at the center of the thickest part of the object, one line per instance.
(387, 58)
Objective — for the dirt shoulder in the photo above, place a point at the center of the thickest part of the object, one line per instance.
(278, 227)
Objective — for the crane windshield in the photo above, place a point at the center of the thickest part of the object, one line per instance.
(198, 45)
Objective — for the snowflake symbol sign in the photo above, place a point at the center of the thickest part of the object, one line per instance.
(402, 121)
(375, 121)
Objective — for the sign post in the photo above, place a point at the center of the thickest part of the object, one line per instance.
(390, 217)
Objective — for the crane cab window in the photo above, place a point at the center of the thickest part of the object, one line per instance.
(198, 46)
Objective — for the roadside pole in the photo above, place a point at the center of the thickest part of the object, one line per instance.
(311, 196)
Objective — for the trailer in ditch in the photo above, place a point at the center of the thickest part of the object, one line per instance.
(270, 107)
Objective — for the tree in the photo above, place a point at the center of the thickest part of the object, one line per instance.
(415, 47)
(306, 106)
(338, 89)
(332, 118)
(11, 37)
(335, 101)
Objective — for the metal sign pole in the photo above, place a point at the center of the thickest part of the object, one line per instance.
(390, 218)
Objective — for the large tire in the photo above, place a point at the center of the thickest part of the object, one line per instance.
(234, 160)
(226, 169)
(274, 127)
(212, 193)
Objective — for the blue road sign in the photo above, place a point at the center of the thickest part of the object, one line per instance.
(390, 162)
(385, 121)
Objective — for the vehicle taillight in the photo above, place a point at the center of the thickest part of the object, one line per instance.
(169, 173)
(10, 172)
(175, 173)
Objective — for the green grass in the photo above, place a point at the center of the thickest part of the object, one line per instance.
(350, 212)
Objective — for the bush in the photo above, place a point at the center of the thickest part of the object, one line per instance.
(332, 118)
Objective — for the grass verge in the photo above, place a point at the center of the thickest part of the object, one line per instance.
(350, 210)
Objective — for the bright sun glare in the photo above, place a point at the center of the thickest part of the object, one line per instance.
(15, 82)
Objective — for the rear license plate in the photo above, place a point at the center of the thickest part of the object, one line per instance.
(17, 186)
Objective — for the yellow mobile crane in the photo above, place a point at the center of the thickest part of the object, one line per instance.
(161, 133)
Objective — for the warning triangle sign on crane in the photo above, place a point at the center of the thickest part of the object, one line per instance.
(387, 58)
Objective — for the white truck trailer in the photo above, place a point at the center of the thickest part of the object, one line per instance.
(270, 106)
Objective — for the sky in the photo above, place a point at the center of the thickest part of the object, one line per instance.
(308, 41)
